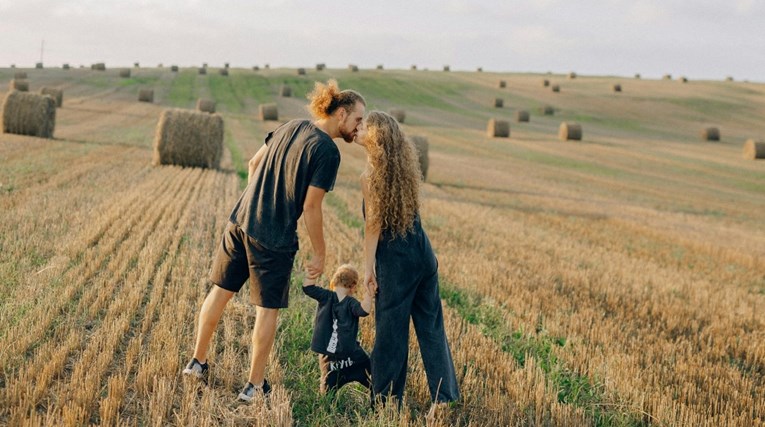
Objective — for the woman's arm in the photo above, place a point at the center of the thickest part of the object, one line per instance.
(371, 237)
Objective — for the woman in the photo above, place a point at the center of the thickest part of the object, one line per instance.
(400, 260)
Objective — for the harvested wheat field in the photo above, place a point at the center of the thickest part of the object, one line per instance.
(615, 281)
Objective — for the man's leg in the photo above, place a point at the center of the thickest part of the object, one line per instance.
(209, 315)
(262, 340)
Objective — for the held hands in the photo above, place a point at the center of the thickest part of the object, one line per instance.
(314, 268)
(370, 281)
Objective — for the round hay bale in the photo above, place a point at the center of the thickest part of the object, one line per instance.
(413, 67)
(125, 73)
(226, 65)
(13, 65)
(268, 112)
(19, 85)
(223, 72)
(206, 105)
(202, 71)
(321, 66)
(66, 66)
(98, 66)
(286, 91)
(710, 134)
(301, 71)
(188, 138)
(684, 79)
(29, 114)
(20, 75)
(571, 75)
(174, 68)
(446, 68)
(136, 65)
(570, 131)
(617, 87)
(667, 77)
(398, 114)
(502, 84)
(146, 95)
(39, 65)
(556, 88)
(421, 146)
(545, 82)
(379, 67)
(204, 65)
(480, 69)
(255, 68)
(729, 79)
(56, 94)
(637, 75)
(266, 67)
(499, 102)
(522, 116)
(498, 128)
(160, 65)
(754, 149)
(547, 110)
(353, 68)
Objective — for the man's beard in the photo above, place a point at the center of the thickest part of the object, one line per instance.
(347, 136)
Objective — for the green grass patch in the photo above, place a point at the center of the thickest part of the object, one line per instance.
(342, 211)
(139, 80)
(182, 91)
(709, 106)
(242, 168)
(224, 93)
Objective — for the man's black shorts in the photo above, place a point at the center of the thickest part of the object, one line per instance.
(240, 257)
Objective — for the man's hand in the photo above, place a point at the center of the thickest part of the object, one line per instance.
(315, 268)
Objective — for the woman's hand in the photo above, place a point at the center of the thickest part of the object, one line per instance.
(370, 281)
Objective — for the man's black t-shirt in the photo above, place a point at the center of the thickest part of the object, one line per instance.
(299, 155)
(345, 312)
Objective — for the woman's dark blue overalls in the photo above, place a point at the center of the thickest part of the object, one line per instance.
(407, 277)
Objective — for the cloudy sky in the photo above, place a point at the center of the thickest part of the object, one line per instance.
(696, 38)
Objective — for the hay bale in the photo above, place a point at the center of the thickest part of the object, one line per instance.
(225, 65)
(125, 73)
(710, 134)
(266, 67)
(39, 65)
(56, 94)
(203, 71)
(19, 85)
(398, 114)
(570, 131)
(667, 77)
(571, 75)
(268, 112)
(617, 87)
(379, 67)
(498, 128)
(20, 75)
(98, 66)
(13, 65)
(547, 110)
(637, 76)
(522, 116)
(754, 149)
(321, 66)
(286, 91)
(223, 72)
(413, 67)
(29, 114)
(729, 79)
(353, 68)
(204, 65)
(146, 95)
(502, 84)
(66, 66)
(301, 71)
(255, 68)
(160, 65)
(480, 69)
(545, 82)
(499, 102)
(136, 65)
(206, 105)
(556, 88)
(174, 68)
(684, 79)
(446, 68)
(188, 138)
(421, 146)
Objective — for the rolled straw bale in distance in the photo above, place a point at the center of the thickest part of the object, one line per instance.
(206, 105)
(146, 95)
(321, 66)
(379, 66)
(545, 82)
(136, 65)
(21, 75)
(268, 112)
(570, 131)
(667, 77)
(572, 75)
(174, 68)
(498, 128)
(188, 138)
(502, 84)
(522, 116)
(19, 85)
(398, 114)
(223, 72)
(226, 65)
(499, 102)
(204, 65)
(413, 68)
(754, 149)
(556, 88)
(66, 66)
(39, 65)
(479, 69)
(29, 114)
(301, 71)
(99, 66)
(202, 70)
(547, 110)
(421, 145)
(255, 68)
(446, 68)
(710, 134)
(125, 73)
(286, 91)
(637, 75)
(56, 94)
(354, 68)
(617, 87)
(729, 79)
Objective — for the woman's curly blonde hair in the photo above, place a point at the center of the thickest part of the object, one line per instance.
(393, 175)
(327, 98)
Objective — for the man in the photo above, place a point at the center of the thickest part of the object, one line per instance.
(288, 177)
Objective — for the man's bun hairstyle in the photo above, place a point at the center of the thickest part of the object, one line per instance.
(326, 98)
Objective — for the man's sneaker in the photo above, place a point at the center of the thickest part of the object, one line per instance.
(197, 370)
(250, 391)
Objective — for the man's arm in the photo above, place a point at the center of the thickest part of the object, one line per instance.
(314, 223)
(255, 161)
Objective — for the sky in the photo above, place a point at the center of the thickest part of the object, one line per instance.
(700, 39)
